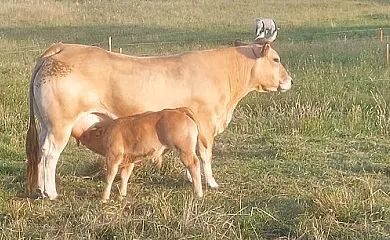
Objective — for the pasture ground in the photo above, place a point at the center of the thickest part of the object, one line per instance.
(311, 163)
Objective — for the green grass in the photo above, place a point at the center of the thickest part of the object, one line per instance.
(311, 163)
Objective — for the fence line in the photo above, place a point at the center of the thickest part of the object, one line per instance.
(355, 30)
(39, 47)
(227, 40)
(114, 46)
(157, 36)
(35, 48)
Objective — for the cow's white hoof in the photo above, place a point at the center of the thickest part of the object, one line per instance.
(52, 196)
(38, 195)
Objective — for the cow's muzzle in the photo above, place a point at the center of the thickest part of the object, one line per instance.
(286, 85)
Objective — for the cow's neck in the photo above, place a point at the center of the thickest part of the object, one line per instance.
(239, 82)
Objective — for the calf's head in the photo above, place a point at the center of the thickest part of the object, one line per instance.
(93, 138)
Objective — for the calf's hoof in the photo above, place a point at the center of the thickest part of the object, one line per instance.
(199, 195)
(188, 176)
(213, 184)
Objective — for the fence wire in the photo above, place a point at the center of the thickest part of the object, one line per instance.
(117, 40)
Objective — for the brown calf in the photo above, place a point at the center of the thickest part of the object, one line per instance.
(125, 141)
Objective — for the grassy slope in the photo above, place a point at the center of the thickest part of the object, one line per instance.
(312, 162)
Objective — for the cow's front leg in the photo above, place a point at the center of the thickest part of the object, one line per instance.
(206, 156)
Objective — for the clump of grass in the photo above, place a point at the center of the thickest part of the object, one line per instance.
(347, 209)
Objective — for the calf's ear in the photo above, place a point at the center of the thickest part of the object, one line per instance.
(99, 132)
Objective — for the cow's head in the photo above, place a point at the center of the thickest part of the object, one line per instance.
(267, 74)
(93, 138)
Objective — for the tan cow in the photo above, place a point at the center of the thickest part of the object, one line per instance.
(128, 140)
(75, 86)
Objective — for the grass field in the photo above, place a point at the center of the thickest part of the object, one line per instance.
(311, 163)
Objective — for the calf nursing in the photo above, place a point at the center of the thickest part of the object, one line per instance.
(125, 141)
(74, 86)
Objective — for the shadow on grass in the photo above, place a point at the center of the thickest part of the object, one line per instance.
(253, 146)
(381, 2)
(366, 167)
(244, 154)
(92, 170)
(145, 173)
(165, 182)
(274, 218)
(362, 157)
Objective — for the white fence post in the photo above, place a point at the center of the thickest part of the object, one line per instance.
(109, 43)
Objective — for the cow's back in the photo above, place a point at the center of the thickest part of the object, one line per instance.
(118, 85)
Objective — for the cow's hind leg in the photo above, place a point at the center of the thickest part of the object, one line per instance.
(52, 142)
(40, 184)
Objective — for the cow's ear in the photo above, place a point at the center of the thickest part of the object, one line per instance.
(256, 50)
(260, 50)
(265, 49)
(239, 42)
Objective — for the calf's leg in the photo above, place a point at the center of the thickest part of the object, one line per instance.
(191, 161)
(125, 175)
(206, 157)
(113, 162)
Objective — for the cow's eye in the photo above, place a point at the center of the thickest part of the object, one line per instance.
(277, 60)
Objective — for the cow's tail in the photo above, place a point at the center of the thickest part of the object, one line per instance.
(32, 146)
(201, 137)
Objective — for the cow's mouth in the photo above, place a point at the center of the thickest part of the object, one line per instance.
(283, 90)
(285, 86)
